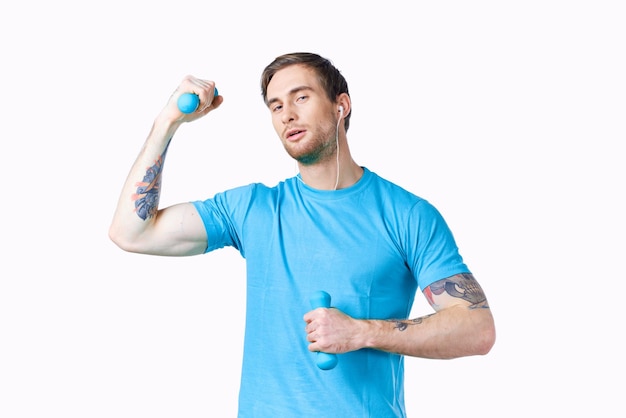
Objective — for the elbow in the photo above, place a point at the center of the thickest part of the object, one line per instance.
(487, 339)
(120, 240)
(115, 237)
(487, 344)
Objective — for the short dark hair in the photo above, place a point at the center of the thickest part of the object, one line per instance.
(330, 78)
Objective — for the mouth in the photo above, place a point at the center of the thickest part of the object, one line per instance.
(294, 134)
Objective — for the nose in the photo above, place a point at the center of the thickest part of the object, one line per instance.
(288, 114)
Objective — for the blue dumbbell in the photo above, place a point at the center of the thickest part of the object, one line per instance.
(325, 361)
(188, 102)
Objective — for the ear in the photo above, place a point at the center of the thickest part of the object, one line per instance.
(343, 105)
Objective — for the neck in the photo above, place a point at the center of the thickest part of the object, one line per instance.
(324, 175)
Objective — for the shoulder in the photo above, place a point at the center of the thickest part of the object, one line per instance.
(402, 202)
(245, 196)
(388, 185)
(387, 189)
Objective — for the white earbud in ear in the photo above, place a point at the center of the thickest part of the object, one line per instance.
(341, 111)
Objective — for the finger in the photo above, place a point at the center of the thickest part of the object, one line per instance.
(204, 89)
(215, 103)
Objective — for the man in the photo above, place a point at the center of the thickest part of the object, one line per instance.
(336, 227)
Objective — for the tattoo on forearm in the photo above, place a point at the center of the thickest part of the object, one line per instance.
(462, 286)
(149, 190)
(401, 325)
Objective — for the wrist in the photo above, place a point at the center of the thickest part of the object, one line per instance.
(370, 333)
(168, 120)
(164, 128)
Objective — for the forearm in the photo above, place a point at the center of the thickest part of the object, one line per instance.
(139, 199)
(450, 333)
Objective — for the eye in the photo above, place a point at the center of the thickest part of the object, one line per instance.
(301, 98)
(276, 108)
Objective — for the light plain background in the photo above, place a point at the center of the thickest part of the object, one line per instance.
(508, 116)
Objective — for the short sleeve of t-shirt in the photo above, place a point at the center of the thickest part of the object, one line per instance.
(432, 251)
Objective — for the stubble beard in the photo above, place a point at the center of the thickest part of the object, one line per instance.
(320, 148)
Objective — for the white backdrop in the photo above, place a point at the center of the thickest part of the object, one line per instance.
(508, 116)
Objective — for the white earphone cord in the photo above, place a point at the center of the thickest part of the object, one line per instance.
(337, 144)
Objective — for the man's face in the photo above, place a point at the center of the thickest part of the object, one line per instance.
(303, 117)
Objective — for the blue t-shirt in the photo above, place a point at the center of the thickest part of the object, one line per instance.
(370, 246)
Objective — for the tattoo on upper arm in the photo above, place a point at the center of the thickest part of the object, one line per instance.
(462, 286)
(149, 190)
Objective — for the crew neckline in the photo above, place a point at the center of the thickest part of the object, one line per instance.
(333, 194)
